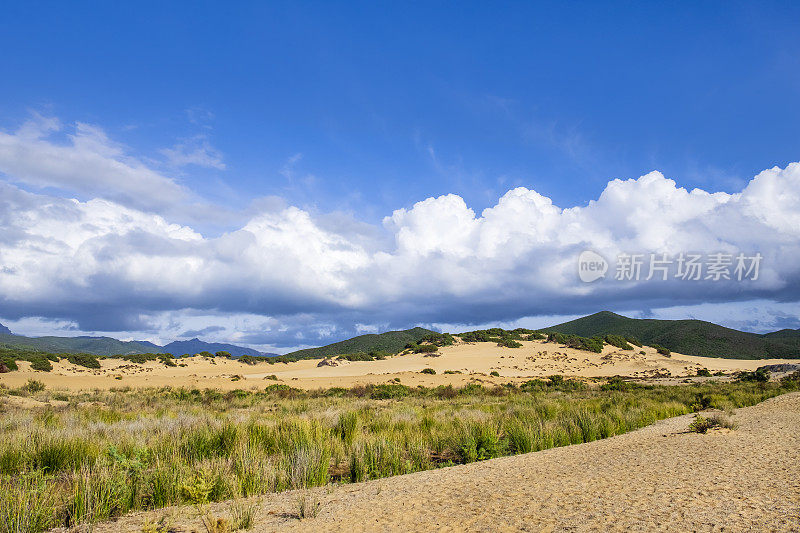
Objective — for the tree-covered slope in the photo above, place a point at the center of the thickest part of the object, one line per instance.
(93, 345)
(691, 337)
(391, 341)
(193, 346)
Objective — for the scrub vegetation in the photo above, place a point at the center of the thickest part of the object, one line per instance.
(87, 457)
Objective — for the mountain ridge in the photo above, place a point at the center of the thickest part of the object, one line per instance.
(388, 341)
(111, 346)
(687, 336)
(195, 345)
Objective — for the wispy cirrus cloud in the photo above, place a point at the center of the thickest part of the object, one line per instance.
(194, 151)
(80, 158)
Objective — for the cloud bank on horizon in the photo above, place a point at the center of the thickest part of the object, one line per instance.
(89, 238)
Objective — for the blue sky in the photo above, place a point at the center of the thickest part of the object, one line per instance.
(350, 112)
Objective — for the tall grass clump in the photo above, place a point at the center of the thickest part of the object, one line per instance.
(27, 504)
(103, 454)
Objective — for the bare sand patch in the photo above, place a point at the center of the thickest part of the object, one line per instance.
(474, 362)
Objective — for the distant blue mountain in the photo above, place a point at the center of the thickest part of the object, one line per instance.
(110, 346)
(196, 346)
(152, 346)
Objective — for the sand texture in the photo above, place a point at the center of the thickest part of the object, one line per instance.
(660, 478)
(474, 362)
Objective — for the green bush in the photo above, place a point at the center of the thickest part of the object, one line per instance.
(760, 375)
(703, 372)
(509, 343)
(425, 348)
(40, 363)
(494, 373)
(282, 359)
(593, 344)
(618, 341)
(660, 349)
(34, 386)
(619, 383)
(427, 371)
(439, 339)
(634, 341)
(139, 358)
(83, 359)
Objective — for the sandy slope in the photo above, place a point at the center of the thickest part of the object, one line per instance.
(659, 478)
(474, 361)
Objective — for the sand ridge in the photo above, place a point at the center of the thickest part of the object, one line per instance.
(474, 363)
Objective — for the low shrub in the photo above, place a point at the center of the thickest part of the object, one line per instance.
(660, 349)
(425, 348)
(388, 391)
(9, 362)
(439, 339)
(760, 375)
(427, 371)
(139, 358)
(634, 341)
(40, 363)
(701, 424)
(619, 341)
(34, 386)
(83, 359)
(618, 383)
(593, 344)
(509, 343)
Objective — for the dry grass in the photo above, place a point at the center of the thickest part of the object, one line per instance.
(104, 454)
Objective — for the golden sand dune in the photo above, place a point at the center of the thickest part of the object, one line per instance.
(660, 478)
(473, 362)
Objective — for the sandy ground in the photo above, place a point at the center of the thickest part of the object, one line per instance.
(660, 478)
(474, 362)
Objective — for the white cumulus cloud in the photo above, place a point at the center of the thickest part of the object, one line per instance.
(92, 261)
